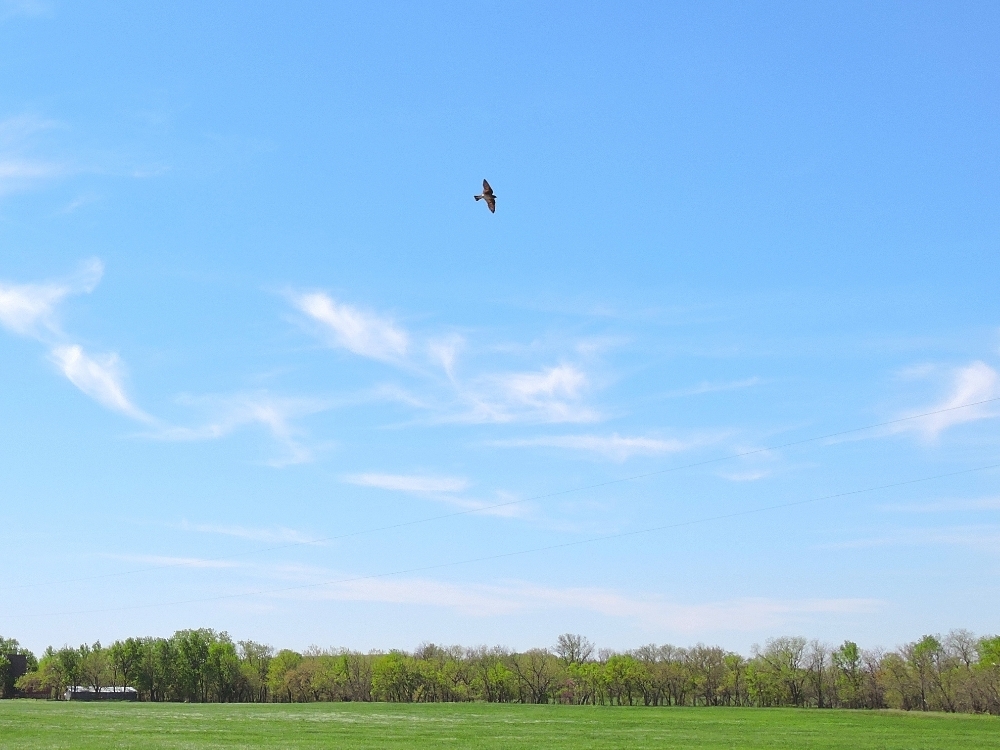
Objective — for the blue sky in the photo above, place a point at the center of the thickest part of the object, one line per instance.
(247, 302)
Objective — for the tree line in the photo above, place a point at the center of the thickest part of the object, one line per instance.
(956, 672)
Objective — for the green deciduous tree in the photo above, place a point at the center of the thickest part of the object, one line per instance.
(223, 676)
(255, 660)
(95, 667)
(849, 677)
(125, 657)
(957, 672)
(537, 671)
(277, 674)
(395, 678)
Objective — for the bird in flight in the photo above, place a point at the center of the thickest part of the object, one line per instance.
(487, 195)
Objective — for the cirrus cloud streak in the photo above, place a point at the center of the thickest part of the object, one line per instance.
(971, 384)
(615, 447)
(351, 328)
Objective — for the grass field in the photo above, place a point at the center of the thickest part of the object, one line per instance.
(40, 724)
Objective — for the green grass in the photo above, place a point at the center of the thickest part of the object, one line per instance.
(41, 724)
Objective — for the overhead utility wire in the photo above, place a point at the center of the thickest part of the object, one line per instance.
(517, 553)
(508, 503)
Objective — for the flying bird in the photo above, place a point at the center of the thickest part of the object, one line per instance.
(487, 195)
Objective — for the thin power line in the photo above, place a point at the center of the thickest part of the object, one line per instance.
(517, 553)
(455, 514)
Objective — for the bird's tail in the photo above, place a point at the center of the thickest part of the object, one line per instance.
(478, 197)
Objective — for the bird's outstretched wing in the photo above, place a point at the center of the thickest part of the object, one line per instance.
(491, 202)
(487, 190)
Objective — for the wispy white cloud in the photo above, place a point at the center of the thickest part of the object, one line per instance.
(228, 413)
(79, 202)
(20, 174)
(101, 378)
(25, 307)
(189, 562)
(709, 387)
(598, 345)
(750, 475)
(445, 351)
(360, 332)
(19, 170)
(469, 600)
(15, 130)
(614, 446)
(946, 506)
(735, 614)
(416, 483)
(981, 537)
(30, 309)
(275, 535)
(970, 384)
(752, 463)
(394, 393)
(648, 610)
(553, 394)
(443, 489)
(644, 609)
(564, 381)
(24, 9)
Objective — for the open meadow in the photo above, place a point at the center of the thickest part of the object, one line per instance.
(30, 724)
